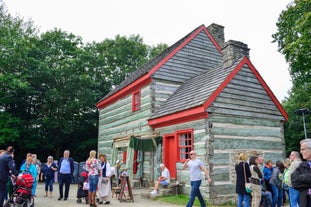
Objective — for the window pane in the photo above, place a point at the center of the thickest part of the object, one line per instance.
(136, 101)
(185, 145)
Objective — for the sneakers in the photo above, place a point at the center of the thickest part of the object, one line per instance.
(154, 192)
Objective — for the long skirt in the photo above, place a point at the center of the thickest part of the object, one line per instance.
(104, 190)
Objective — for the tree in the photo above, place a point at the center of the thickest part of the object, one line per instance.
(15, 36)
(50, 83)
(294, 42)
(118, 57)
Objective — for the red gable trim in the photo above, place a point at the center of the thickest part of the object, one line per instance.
(136, 85)
(213, 40)
(258, 76)
(223, 84)
(179, 117)
(200, 111)
(146, 78)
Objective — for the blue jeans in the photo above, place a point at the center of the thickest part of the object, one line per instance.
(277, 196)
(195, 191)
(49, 183)
(293, 197)
(245, 198)
(93, 181)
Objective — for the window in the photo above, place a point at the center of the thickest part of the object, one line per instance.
(136, 101)
(185, 144)
(176, 148)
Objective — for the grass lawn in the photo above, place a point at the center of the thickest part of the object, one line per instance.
(183, 200)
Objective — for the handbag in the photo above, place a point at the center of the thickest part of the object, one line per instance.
(248, 186)
(104, 180)
(86, 185)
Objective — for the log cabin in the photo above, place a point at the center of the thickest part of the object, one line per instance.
(201, 93)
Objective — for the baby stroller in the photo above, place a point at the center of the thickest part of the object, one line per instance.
(82, 192)
(21, 195)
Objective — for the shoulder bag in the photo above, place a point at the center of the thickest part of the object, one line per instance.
(248, 186)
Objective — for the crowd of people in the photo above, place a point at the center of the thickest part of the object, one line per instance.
(98, 171)
(273, 184)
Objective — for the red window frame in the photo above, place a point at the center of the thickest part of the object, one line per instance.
(136, 101)
(185, 141)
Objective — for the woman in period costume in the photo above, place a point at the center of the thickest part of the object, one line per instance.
(104, 184)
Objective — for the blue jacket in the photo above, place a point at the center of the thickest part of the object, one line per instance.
(6, 164)
(47, 171)
(31, 169)
(72, 166)
(267, 172)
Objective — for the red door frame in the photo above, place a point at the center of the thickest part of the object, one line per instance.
(170, 153)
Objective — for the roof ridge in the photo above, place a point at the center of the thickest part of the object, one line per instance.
(149, 65)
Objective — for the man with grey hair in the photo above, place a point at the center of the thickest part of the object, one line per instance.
(301, 177)
(66, 169)
(293, 193)
(163, 180)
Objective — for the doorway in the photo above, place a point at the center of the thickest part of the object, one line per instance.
(170, 154)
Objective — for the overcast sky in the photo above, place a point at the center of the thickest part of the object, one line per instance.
(166, 21)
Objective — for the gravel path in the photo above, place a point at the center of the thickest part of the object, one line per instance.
(139, 201)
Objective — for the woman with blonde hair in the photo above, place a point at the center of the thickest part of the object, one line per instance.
(242, 173)
(48, 170)
(93, 169)
(30, 168)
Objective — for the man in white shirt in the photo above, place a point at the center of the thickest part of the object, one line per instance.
(195, 166)
(163, 180)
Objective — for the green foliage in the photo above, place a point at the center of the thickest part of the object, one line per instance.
(9, 127)
(294, 42)
(50, 83)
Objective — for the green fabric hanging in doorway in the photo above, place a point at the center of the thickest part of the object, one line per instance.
(145, 144)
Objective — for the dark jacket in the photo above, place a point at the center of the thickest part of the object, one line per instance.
(72, 166)
(275, 178)
(301, 181)
(6, 164)
(47, 171)
(240, 183)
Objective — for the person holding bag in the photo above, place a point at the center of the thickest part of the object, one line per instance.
(255, 180)
(242, 176)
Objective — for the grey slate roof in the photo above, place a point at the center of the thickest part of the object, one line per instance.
(148, 66)
(195, 92)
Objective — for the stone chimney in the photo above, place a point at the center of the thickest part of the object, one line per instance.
(217, 31)
(232, 51)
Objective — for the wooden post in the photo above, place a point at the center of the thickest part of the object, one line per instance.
(126, 181)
